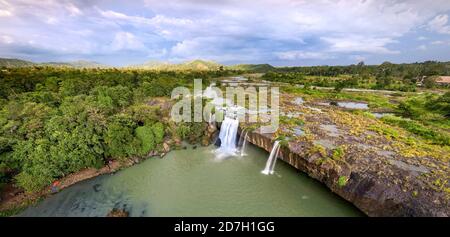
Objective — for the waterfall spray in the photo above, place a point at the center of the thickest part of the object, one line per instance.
(270, 164)
(241, 137)
(244, 143)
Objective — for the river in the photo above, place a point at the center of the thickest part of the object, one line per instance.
(192, 182)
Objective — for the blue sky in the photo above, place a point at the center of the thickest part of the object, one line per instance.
(279, 32)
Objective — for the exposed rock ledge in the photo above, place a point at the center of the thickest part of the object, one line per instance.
(371, 192)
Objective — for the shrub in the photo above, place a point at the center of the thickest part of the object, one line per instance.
(145, 135)
(158, 132)
(33, 182)
(182, 130)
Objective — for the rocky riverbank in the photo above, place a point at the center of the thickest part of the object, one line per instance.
(357, 159)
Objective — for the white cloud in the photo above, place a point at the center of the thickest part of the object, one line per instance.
(157, 53)
(157, 20)
(293, 55)
(4, 13)
(441, 42)
(51, 20)
(6, 39)
(359, 44)
(126, 41)
(228, 30)
(422, 47)
(438, 42)
(219, 49)
(186, 48)
(5, 9)
(439, 24)
(73, 10)
(357, 58)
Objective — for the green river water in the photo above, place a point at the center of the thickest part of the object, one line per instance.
(192, 182)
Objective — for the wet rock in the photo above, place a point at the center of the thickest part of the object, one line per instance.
(205, 141)
(330, 129)
(211, 129)
(325, 143)
(96, 187)
(404, 166)
(385, 153)
(166, 147)
(177, 141)
(217, 142)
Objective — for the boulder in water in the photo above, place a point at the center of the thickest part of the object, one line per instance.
(166, 147)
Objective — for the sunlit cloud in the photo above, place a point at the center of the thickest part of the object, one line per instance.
(440, 24)
(281, 32)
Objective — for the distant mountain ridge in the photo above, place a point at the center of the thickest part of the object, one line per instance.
(198, 64)
(12, 62)
(190, 65)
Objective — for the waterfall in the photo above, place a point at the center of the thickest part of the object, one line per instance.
(227, 136)
(244, 143)
(241, 138)
(270, 164)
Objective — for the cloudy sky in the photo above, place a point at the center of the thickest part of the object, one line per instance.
(280, 32)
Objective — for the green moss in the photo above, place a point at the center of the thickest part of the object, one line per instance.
(291, 121)
(318, 149)
(386, 131)
(338, 153)
(342, 181)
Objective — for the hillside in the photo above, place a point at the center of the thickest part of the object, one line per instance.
(190, 65)
(11, 62)
(261, 68)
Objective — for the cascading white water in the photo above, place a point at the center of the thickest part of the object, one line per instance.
(244, 143)
(241, 138)
(270, 164)
(227, 136)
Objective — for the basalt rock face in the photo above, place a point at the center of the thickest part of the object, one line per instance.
(369, 191)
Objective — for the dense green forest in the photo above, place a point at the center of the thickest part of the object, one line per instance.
(55, 121)
(389, 76)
